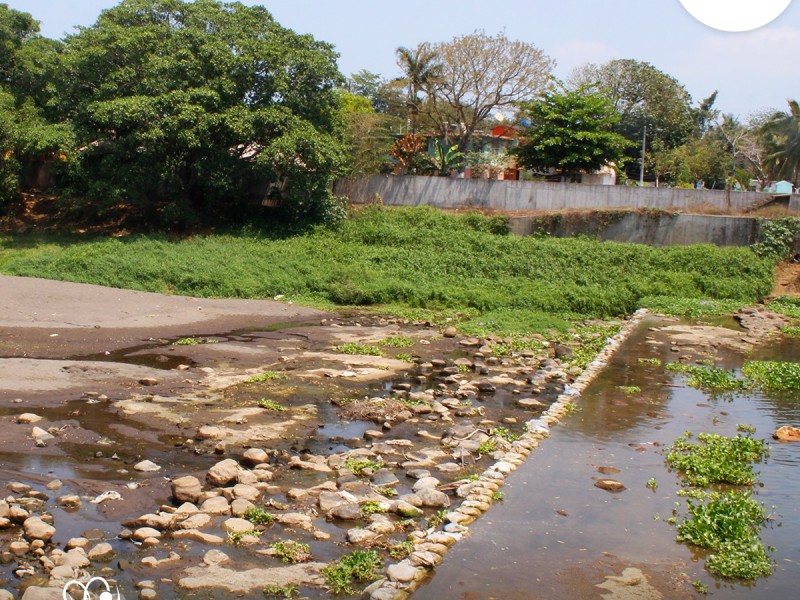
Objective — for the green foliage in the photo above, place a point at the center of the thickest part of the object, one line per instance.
(183, 109)
(437, 518)
(289, 551)
(258, 516)
(728, 523)
(717, 459)
(772, 375)
(631, 390)
(360, 349)
(690, 307)
(571, 130)
(372, 507)
(791, 330)
(267, 404)
(785, 305)
(649, 362)
(504, 434)
(487, 447)
(358, 566)
(264, 377)
(776, 238)
(193, 341)
(398, 341)
(652, 484)
(358, 466)
(404, 356)
(401, 550)
(514, 322)
(417, 258)
(710, 379)
(288, 590)
(445, 159)
(235, 537)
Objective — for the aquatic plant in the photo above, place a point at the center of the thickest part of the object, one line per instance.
(358, 349)
(358, 566)
(717, 459)
(710, 379)
(773, 375)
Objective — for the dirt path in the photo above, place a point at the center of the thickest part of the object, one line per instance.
(787, 280)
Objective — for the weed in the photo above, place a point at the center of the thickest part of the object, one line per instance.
(404, 356)
(700, 587)
(497, 496)
(773, 376)
(631, 390)
(649, 362)
(358, 349)
(437, 518)
(389, 492)
(776, 238)
(793, 331)
(359, 466)
(505, 434)
(289, 551)
(235, 537)
(258, 516)
(267, 404)
(710, 379)
(264, 377)
(745, 428)
(359, 566)
(652, 484)
(398, 341)
(786, 305)
(372, 507)
(192, 341)
(717, 459)
(487, 447)
(691, 307)
(463, 368)
(288, 590)
(401, 550)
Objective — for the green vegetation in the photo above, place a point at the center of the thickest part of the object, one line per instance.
(487, 447)
(505, 434)
(401, 550)
(652, 484)
(281, 591)
(728, 523)
(359, 566)
(776, 238)
(258, 516)
(717, 459)
(358, 349)
(264, 377)
(358, 466)
(289, 551)
(649, 362)
(192, 341)
(498, 496)
(437, 518)
(372, 507)
(412, 257)
(791, 330)
(785, 305)
(709, 379)
(267, 404)
(691, 307)
(772, 375)
(235, 537)
(631, 390)
(397, 341)
(405, 356)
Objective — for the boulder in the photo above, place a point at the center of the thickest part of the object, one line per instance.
(146, 466)
(36, 529)
(186, 489)
(787, 433)
(610, 485)
(255, 456)
(223, 473)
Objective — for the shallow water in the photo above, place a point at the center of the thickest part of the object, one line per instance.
(555, 535)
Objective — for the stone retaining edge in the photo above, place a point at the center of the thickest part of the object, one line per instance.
(404, 577)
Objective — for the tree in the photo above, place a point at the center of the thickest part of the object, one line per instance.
(421, 68)
(184, 109)
(781, 138)
(644, 97)
(367, 134)
(571, 130)
(478, 75)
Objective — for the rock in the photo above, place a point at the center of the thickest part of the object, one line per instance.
(42, 593)
(216, 506)
(384, 478)
(433, 498)
(530, 404)
(187, 508)
(71, 501)
(40, 434)
(196, 521)
(418, 473)
(223, 473)
(36, 529)
(787, 433)
(27, 418)
(295, 462)
(209, 432)
(197, 536)
(77, 542)
(426, 482)
(246, 492)
(146, 466)
(102, 552)
(450, 332)
(76, 558)
(6, 595)
(235, 525)
(144, 533)
(486, 387)
(403, 572)
(255, 456)
(330, 500)
(62, 573)
(148, 381)
(19, 548)
(360, 536)
(405, 510)
(610, 485)
(239, 507)
(346, 512)
(54, 485)
(5, 510)
(295, 520)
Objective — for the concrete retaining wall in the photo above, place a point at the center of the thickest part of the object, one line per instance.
(653, 228)
(443, 192)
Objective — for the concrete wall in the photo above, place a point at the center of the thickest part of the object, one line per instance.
(653, 228)
(443, 192)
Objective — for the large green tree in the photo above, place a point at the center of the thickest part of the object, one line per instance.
(571, 130)
(190, 111)
(781, 138)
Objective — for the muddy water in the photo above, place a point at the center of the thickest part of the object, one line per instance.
(555, 535)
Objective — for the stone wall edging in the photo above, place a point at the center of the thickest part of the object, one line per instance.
(404, 577)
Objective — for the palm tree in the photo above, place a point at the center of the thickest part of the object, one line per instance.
(781, 138)
(421, 68)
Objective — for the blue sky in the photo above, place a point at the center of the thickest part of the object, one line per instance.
(753, 71)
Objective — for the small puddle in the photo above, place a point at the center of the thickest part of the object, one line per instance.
(557, 536)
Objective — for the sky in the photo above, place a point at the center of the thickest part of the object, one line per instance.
(753, 71)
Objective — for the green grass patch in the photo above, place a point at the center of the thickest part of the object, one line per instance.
(649, 362)
(290, 551)
(258, 516)
(717, 459)
(691, 307)
(786, 305)
(710, 379)
(631, 390)
(268, 404)
(515, 323)
(773, 376)
(359, 466)
(288, 590)
(408, 258)
(397, 341)
(192, 341)
(358, 349)
(791, 330)
(264, 377)
(404, 356)
(372, 508)
(359, 566)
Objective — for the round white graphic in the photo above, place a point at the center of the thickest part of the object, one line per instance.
(736, 15)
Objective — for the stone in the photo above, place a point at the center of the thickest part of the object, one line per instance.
(255, 456)
(5, 509)
(187, 508)
(77, 542)
(146, 466)
(42, 593)
(186, 489)
(246, 492)
(384, 478)
(787, 433)
(418, 473)
(102, 552)
(330, 500)
(144, 533)
(295, 520)
(209, 432)
(19, 548)
(433, 498)
(148, 381)
(223, 473)
(403, 572)
(236, 525)
(346, 512)
(425, 483)
(76, 558)
(240, 506)
(530, 404)
(360, 536)
(62, 572)
(610, 485)
(216, 506)
(71, 501)
(36, 529)
(405, 510)
(40, 434)
(196, 521)
(197, 536)
(27, 418)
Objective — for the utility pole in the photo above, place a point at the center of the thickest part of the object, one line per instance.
(644, 145)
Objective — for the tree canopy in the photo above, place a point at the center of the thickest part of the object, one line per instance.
(571, 130)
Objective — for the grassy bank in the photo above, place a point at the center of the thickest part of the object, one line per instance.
(415, 257)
